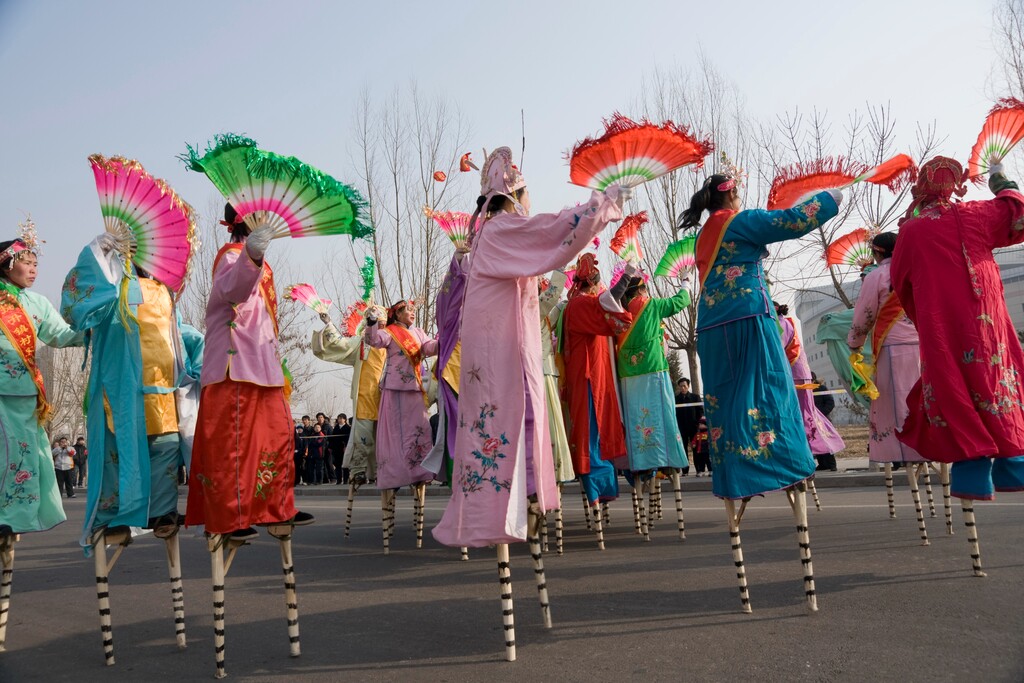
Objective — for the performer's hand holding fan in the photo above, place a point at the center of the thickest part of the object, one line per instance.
(455, 224)
(852, 249)
(355, 313)
(625, 243)
(266, 188)
(630, 153)
(1003, 129)
(145, 212)
(306, 294)
(800, 182)
(679, 259)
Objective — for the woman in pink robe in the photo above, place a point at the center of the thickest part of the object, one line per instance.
(897, 361)
(503, 447)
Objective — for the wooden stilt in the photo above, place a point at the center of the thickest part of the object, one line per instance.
(283, 534)
(656, 491)
(913, 471)
(392, 502)
(737, 552)
(586, 507)
(798, 501)
(352, 488)
(972, 535)
(464, 551)
(928, 491)
(7, 542)
(413, 491)
(533, 526)
(507, 616)
(421, 505)
(544, 533)
(385, 522)
(677, 489)
(177, 591)
(814, 494)
(558, 530)
(888, 490)
(645, 529)
(598, 526)
(120, 537)
(605, 514)
(636, 509)
(947, 498)
(216, 543)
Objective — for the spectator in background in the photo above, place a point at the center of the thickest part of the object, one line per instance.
(302, 457)
(64, 466)
(81, 462)
(688, 417)
(315, 450)
(701, 450)
(342, 432)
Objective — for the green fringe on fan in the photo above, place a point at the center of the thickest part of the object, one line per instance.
(369, 273)
(222, 142)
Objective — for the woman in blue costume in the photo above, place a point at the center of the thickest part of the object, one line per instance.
(755, 428)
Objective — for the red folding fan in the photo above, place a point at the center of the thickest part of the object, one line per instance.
(1004, 128)
(852, 249)
(800, 182)
(626, 240)
(630, 153)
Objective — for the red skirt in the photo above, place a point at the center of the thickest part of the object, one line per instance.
(242, 459)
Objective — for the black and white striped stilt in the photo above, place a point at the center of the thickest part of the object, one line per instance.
(7, 542)
(534, 523)
(947, 498)
(352, 488)
(544, 533)
(215, 543)
(464, 553)
(558, 530)
(928, 490)
(645, 529)
(421, 504)
(605, 514)
(677, 489)
(636, 508)
(888, 490)
(737, 550)
(913, 471)
(798, 501)
(507, 614)
(119, 537)
(598, 526)
(656, 497)
(283, 534)
(586, 508)
(814, 494)
(177, 590)
(972, 535)
(386, 519)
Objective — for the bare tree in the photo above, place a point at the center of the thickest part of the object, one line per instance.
(66, 382)
(1009, 37)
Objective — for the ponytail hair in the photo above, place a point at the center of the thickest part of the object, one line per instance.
(708, 198)
(496, 204)
(884, 244)
(781, 309)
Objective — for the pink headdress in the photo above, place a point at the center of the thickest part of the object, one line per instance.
(498, 177)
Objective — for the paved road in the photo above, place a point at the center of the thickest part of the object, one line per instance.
(890, 609)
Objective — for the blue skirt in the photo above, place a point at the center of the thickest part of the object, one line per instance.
(652, 432)
(755, 428)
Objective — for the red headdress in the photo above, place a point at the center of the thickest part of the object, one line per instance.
(937, 181)
(586, 274)
(397, 308)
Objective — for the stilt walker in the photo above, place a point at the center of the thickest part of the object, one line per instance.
(143, 387)
(966, 357)
(30, 496)
(502, 383)
(758, 443)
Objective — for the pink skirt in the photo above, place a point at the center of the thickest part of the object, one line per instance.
(403, 439)
(897, 369)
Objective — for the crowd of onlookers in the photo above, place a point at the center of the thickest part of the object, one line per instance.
(319, 449)
(70, 464)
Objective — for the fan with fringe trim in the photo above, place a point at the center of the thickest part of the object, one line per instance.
(618, 269)
(630, 153)
(455, 224)
(1003, 129)
(161, 224)
(800, 182)
(852, 249)
(679, 258)
(264, 187)
(625, 243)
(306, 294)
(354, 313)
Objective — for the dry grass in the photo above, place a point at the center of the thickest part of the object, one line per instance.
(856, 438)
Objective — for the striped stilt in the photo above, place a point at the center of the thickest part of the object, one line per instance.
(656, 491)
(507, 617)
(544, 533)
(415, 506)
(737, 551)
(888, 490)
(533, 525)
(421, 505)
(677, 488)
(972, 535)
(177, 591)
(928, 490)
(947, 498)
(645, 530)
(636, 509)
(598, 526)
(283, 534)
(464, 551)
(798, 501)
(605, 514)
(216, 543)
(7, 542)
(352, 488)
(586, 507)
(558, 530)
(385, 521)
(392, 502)
(120, 537)
(913, 471)
(814, 493)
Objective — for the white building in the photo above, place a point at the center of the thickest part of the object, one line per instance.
(813, 303)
